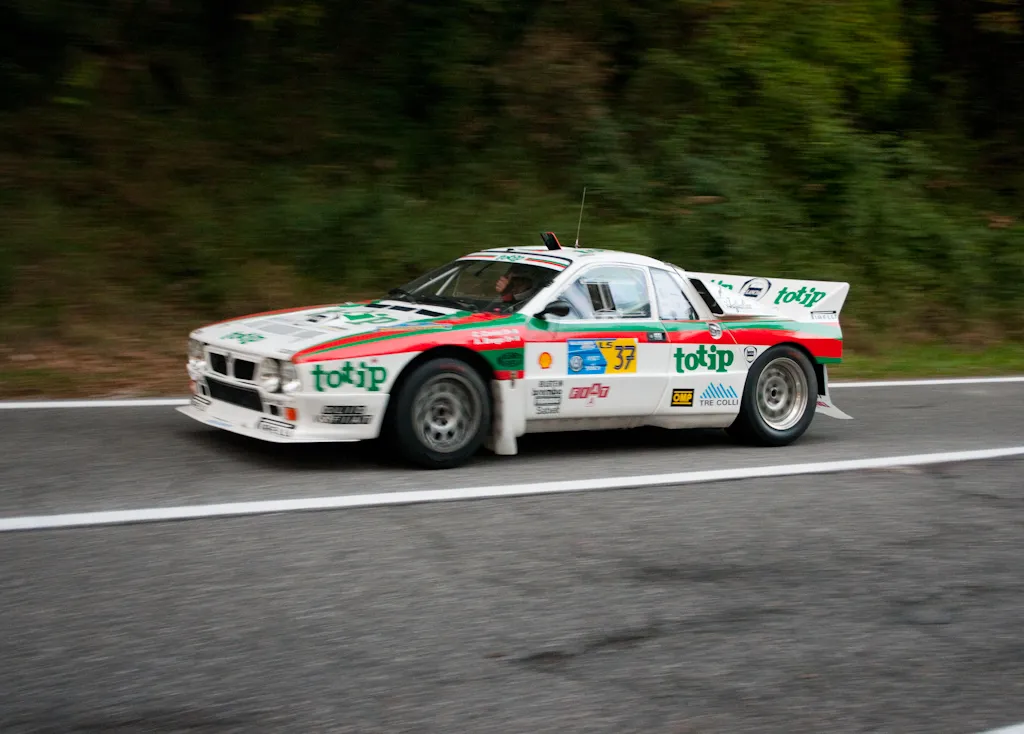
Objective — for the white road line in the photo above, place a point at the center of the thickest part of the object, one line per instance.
(192, 512)
(1012, 729)
(129, 403)
(929, 382)
(173, 402)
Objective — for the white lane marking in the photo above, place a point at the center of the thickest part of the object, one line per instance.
(127, 403)
(191, 512)
(929, 382)
(1012, 729)
(173, 402)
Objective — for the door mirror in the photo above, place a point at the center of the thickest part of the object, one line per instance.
(555, 308)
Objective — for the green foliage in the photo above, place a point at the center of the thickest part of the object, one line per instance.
(175, 145)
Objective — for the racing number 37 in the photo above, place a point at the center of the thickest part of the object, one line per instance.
(620, 354)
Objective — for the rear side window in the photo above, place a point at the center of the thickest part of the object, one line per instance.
(610, 292)
(672, 302)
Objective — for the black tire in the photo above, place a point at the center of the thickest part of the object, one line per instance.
(756, 423)
(439, 389)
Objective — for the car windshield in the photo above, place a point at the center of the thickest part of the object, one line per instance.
(478, 285)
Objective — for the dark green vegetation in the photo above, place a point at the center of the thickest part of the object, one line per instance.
(164, 164)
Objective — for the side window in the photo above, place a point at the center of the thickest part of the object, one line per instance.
(673, 304)
(609, 292)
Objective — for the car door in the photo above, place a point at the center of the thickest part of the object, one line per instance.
(706, 369)
(608, 356)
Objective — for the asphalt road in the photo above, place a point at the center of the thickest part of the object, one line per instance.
(57, 460)
(881, 601)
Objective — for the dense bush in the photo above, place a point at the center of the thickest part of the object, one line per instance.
(172, 152)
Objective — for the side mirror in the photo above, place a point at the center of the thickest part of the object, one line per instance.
(555, 308)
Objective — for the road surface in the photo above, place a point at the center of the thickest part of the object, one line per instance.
(883, 600)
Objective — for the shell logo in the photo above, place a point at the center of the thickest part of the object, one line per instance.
(545, 360)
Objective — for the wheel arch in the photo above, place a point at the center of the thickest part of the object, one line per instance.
(819, 369)
(467, 355)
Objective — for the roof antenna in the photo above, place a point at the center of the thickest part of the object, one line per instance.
(581, 216)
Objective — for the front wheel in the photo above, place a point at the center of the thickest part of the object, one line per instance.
(441, 414)
(779, 398)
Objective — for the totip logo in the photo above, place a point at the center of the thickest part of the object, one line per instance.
(806, 297)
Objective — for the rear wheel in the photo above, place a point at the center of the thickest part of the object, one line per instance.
(441, 415)
(779, 398)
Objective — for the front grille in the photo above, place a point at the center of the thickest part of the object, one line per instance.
(244, 397)
(219, 363)
(244, 369)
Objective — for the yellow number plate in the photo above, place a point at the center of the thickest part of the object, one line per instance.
(620, 354)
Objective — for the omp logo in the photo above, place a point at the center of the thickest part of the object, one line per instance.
(591, 393)
(682, 398)
(719, 395)
(806, 297)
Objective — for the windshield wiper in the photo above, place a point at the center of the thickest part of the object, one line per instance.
(462, 303)
(401, 294)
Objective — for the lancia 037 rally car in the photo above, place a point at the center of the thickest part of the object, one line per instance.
(504, 342)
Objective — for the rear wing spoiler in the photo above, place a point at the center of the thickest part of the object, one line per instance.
(732, 296)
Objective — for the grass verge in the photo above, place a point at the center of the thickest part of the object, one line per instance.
(152, 365)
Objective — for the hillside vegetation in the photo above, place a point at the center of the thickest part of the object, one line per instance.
(168, 163)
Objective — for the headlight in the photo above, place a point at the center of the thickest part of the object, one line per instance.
(269, 376)
(196, 363)
(289, 378)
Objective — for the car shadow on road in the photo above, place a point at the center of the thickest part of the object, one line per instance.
(375, 456)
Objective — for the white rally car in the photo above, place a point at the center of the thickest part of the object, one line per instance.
(509, 341)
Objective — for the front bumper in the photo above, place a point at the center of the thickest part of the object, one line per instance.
(350, 417)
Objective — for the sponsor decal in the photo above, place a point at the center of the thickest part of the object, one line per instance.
(750, 354)
(368, 318)
(319, 318)
(824, 316)
(364, 377)
(719, 395)
(199, 402)
(544, 361)
(218, 422)
(657, 336)
(344, 415)
(243, 338)
(716, 331)
(755, 288)
(279, 429)
(682, 398)
(509, 258)
(590, 393)
(494, 336)
(602, 356)
(722, 283)
(710, 359)
(547, 396)
(823, 404)
(511, 360)
(806, 297)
